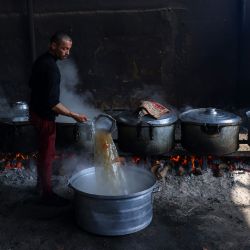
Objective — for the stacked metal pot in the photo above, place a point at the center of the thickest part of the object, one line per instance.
(203, 131)
(16, 132)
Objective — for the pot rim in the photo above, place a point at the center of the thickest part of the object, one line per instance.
(12, 122)
(210, 124)
(111, 197)
(129, 118)
(66, 123)
(210, 116)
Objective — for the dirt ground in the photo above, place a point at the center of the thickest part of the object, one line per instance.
(190, 212)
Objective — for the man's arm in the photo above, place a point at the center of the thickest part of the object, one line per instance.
(62, 110)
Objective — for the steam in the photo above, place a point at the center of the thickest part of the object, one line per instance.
(153, 92)
(73, 165)
(77, 102)
(6, 110)
(186, 108)
(150, 92)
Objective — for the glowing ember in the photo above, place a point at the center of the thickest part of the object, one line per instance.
(17, 160)
(136, 159)
(194, 165)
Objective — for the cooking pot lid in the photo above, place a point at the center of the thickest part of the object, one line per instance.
(210, 116)
(132, 118)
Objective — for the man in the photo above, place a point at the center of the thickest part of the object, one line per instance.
(45, 106)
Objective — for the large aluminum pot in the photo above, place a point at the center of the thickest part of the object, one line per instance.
(66, 135)
(146, 135)
(99, 211)
(210, 131)
(17, 136)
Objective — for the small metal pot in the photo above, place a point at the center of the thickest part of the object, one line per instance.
(66, 135)
(20, 109)
(210, 131)
(99, 212)
(146, 135)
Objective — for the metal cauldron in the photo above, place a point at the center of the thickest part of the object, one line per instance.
(17, 135)
(101, 212)
(210, 131)
(146, 135)
(16, 132)
(79, 136)
(66, 135)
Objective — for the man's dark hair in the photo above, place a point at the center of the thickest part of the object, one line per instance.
(59, 36)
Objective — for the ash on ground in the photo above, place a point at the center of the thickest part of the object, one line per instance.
(192, 192)
(190, 212)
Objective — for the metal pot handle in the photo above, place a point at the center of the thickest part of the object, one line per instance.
(107, 117)
(151, 132)
(139, 128)
(211, 130)
(157, 188)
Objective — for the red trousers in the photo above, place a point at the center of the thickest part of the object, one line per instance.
(46, 151)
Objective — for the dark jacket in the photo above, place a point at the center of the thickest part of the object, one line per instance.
(45, 86)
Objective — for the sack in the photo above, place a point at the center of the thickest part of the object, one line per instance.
(152, 108)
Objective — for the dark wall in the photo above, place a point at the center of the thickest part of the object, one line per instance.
(214, 56)
(244, 86)
(184, 52)
(14, 47)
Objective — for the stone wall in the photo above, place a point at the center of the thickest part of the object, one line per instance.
(179, 52)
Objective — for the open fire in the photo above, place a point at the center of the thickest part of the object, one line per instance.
(181, 165)
(15, 160)
(178, 165)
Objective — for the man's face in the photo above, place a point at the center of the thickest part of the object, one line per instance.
(62, 49)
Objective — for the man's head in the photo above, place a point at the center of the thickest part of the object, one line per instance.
(60, 45)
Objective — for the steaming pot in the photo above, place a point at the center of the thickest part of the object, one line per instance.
(146, 135)
(99, 212)
(210, 131)
(17, 136)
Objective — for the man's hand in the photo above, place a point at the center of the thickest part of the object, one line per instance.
(62, 110)
(79, 117)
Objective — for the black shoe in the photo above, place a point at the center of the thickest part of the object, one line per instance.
(54, 200)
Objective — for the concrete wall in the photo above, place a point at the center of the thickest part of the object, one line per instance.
(184, 52)
(244, 86)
